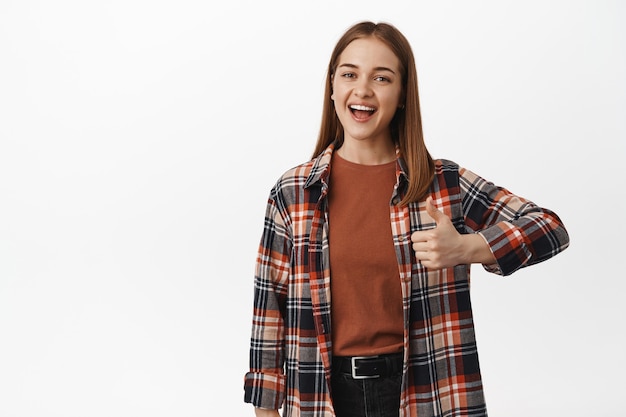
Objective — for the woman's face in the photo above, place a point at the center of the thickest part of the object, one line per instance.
(367, 90)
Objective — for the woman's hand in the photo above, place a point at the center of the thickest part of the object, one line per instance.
(444, 247)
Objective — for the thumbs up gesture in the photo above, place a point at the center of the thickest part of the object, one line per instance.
(444, 247)
(440, 247)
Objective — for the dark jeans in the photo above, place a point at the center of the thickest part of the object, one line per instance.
(375, 397)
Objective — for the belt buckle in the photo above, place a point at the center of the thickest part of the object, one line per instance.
(353, 363)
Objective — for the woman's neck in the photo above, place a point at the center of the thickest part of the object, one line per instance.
(367, 153)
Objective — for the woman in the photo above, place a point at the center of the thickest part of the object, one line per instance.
(362, 304)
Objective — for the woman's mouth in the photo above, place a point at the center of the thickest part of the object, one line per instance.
(361, 112)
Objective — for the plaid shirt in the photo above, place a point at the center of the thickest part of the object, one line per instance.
(291, 354)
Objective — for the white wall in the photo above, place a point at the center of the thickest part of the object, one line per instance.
(139, 140)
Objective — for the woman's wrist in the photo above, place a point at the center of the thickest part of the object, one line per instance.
(477, 250)
(265, 412)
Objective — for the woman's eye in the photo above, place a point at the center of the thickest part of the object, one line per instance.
(381, 78)
(348, 75)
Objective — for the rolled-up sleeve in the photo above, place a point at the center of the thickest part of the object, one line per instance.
(264, 384)
(518, 232)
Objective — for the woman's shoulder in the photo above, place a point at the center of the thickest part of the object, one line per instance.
(306, 173)
(445, 165)
(298, 172)
(295, 178)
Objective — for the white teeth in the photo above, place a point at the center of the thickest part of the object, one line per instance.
(359, 107)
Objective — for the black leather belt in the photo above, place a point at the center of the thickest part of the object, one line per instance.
(364, 367)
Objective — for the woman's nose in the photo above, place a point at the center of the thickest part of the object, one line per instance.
(363, 89)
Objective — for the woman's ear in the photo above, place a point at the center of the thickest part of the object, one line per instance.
(402, 100)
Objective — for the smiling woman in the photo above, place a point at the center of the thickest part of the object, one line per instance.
(367, 92)
(374, 224)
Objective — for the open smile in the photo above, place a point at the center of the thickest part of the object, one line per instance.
(361, 112)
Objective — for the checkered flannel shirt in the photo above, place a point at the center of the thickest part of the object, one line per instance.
(291, 353)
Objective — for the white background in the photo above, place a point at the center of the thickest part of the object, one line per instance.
(139, 141)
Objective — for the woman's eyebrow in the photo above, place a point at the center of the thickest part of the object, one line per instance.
(348, 65)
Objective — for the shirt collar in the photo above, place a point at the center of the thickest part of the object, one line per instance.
(321, 167)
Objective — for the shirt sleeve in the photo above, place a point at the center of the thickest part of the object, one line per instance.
(264, 384)
(518, 232)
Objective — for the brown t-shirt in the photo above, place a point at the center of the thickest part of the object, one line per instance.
(366, 296)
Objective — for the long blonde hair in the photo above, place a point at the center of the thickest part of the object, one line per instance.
(406, 125)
